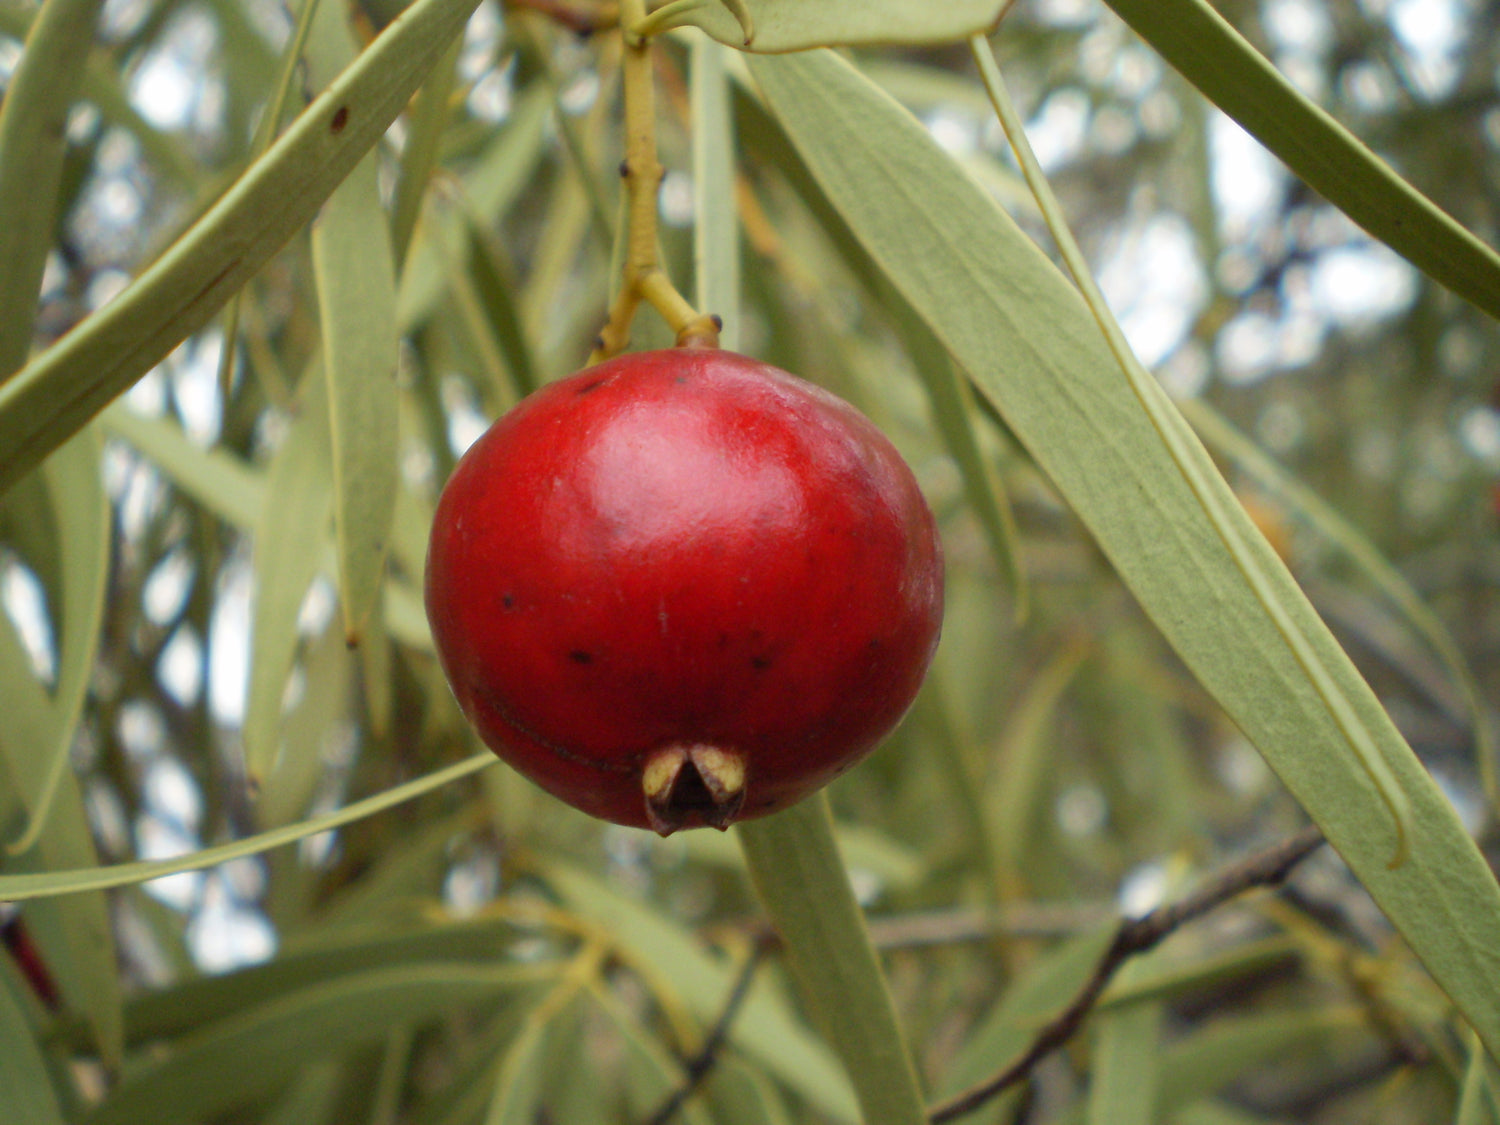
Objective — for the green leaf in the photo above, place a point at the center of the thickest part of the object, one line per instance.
(1201, 1064)
(312, 1097)
(291, 544)
(101, 87)
(518, 1086)
(1042, 990)
(419, 156)
(504, 169)
(256, 1051)
(1025, 337)
(33, 139)
(1233, 75)
(1016, 791)
(74, 936)
(356, 281)
(68, 877)
(651, 1074)
(29, 1094)
(1479, 1098)
(318, 959)
(216, 479)
(742, 1096)
(794, 25)
(55, 394)
(1366, 558)
(674, 961)
(1127, 1049)
(82, 518)
(716, 225)
(801, 881)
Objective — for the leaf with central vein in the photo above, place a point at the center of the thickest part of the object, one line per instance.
(33, 138)
(795, 25)
(1025, 337)
(356, 281)
(54, 395)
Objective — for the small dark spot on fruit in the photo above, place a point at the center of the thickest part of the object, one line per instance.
(593, 385)
(624, 168)
(508, 601)
(718, 321)
(340, 119)
(760, 663)
(723, 640)
(578, 656)
(680, 379)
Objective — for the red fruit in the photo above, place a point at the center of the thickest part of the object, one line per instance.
(683, 588)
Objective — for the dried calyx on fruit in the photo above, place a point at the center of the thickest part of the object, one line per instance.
(683, 588)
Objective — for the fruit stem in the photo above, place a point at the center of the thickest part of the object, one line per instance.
(800, 878)
(642, 276)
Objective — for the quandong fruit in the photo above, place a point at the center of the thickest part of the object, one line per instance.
(683, 588)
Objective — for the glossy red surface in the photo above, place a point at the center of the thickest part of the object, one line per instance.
(683, 546)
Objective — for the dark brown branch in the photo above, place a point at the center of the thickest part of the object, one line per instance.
(697, 1068)
(1137, 935)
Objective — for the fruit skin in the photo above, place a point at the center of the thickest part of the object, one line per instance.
(676, 550)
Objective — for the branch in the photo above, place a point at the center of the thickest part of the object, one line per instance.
(1137, 935)
(698, 1066)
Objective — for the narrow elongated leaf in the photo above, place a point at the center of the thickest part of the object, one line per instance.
(29, 1094)
(220, 481)
(258, 1050)
(73, 936)
(419, 156)
(356, 279)
(742, 1096)
(651, 1073)
(1237, 78)
(54, 395)
(1479, 1099)
(795, 25)
(82, 517)
(1122, 1079)
(33, 137)
(1016, 790)
(291, 543)
(1035, 996)
(65, 878)
(1248, 458)
(765, 1030)
(505, 167)
(716, 226)
(801, 881)
(518, 1086)
(100, 86)
(196, 1001)
(1203, 1063)
(1025, 337)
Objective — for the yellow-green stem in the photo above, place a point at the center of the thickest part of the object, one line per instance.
(643, 277)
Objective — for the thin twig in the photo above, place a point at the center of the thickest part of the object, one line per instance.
(1137, 935)
(697, 1068)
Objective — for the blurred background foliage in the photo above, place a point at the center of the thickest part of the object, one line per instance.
(483, 953)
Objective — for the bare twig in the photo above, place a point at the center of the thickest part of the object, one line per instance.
(1137, 935)
(698, 1066)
